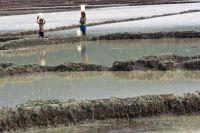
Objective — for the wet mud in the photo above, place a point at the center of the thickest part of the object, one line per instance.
(35, 41)
(55, 112)
(153, 35)
(13, 69)
(159, 63)
(13, 43)
(153, 63)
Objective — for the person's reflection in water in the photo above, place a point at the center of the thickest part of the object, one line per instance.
(42, 57)
(84, 52)
(83, 49)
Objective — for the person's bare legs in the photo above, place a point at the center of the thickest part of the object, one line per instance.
(84, 33)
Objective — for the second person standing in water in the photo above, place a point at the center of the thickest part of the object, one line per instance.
(41, 22)
(83, 23)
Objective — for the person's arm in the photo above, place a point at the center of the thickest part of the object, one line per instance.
(83, 20)
(80, 21)
(44, 22)
(38, 21)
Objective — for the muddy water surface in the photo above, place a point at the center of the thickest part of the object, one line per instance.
(94, 85)
(162, 124)
(100, 52)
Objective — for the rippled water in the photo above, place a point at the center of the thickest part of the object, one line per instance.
(100, 52)
(94, 85)
(162, 124)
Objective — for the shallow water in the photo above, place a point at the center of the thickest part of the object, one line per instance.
(94, 85)
(18, 23)
(100, 52)
(161, 124)
(186, 22)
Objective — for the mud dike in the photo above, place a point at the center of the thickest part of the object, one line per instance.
(54, 112)
(15, 41)
(154, 63)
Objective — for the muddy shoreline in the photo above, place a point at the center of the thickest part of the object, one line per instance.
(9, 43)
(13, 69)
(55, 112)
(153, 63)
(158, 63)
(151, 35)
(35, 41)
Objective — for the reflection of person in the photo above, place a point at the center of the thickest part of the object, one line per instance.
(42, 57)
(84, 53)
(83, 23)
(41, 23)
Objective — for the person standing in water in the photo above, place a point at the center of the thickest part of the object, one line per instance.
(41, 23)
(83, 23)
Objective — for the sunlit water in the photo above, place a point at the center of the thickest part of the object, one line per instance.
(18, 23)
(100, 52)
(183, 22)
(162, 124)
(94, 85)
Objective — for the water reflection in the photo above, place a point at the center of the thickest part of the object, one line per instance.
(82, 48)
(42, 57)
(193, 75)
(101, 52)
(156, 76)
(94, 85)
(164, 124)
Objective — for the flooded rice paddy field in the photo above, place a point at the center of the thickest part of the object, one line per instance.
(16, 90)
(161, 124)
(16, 23)
(19, 89)
(186, 22)
(100, 52)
